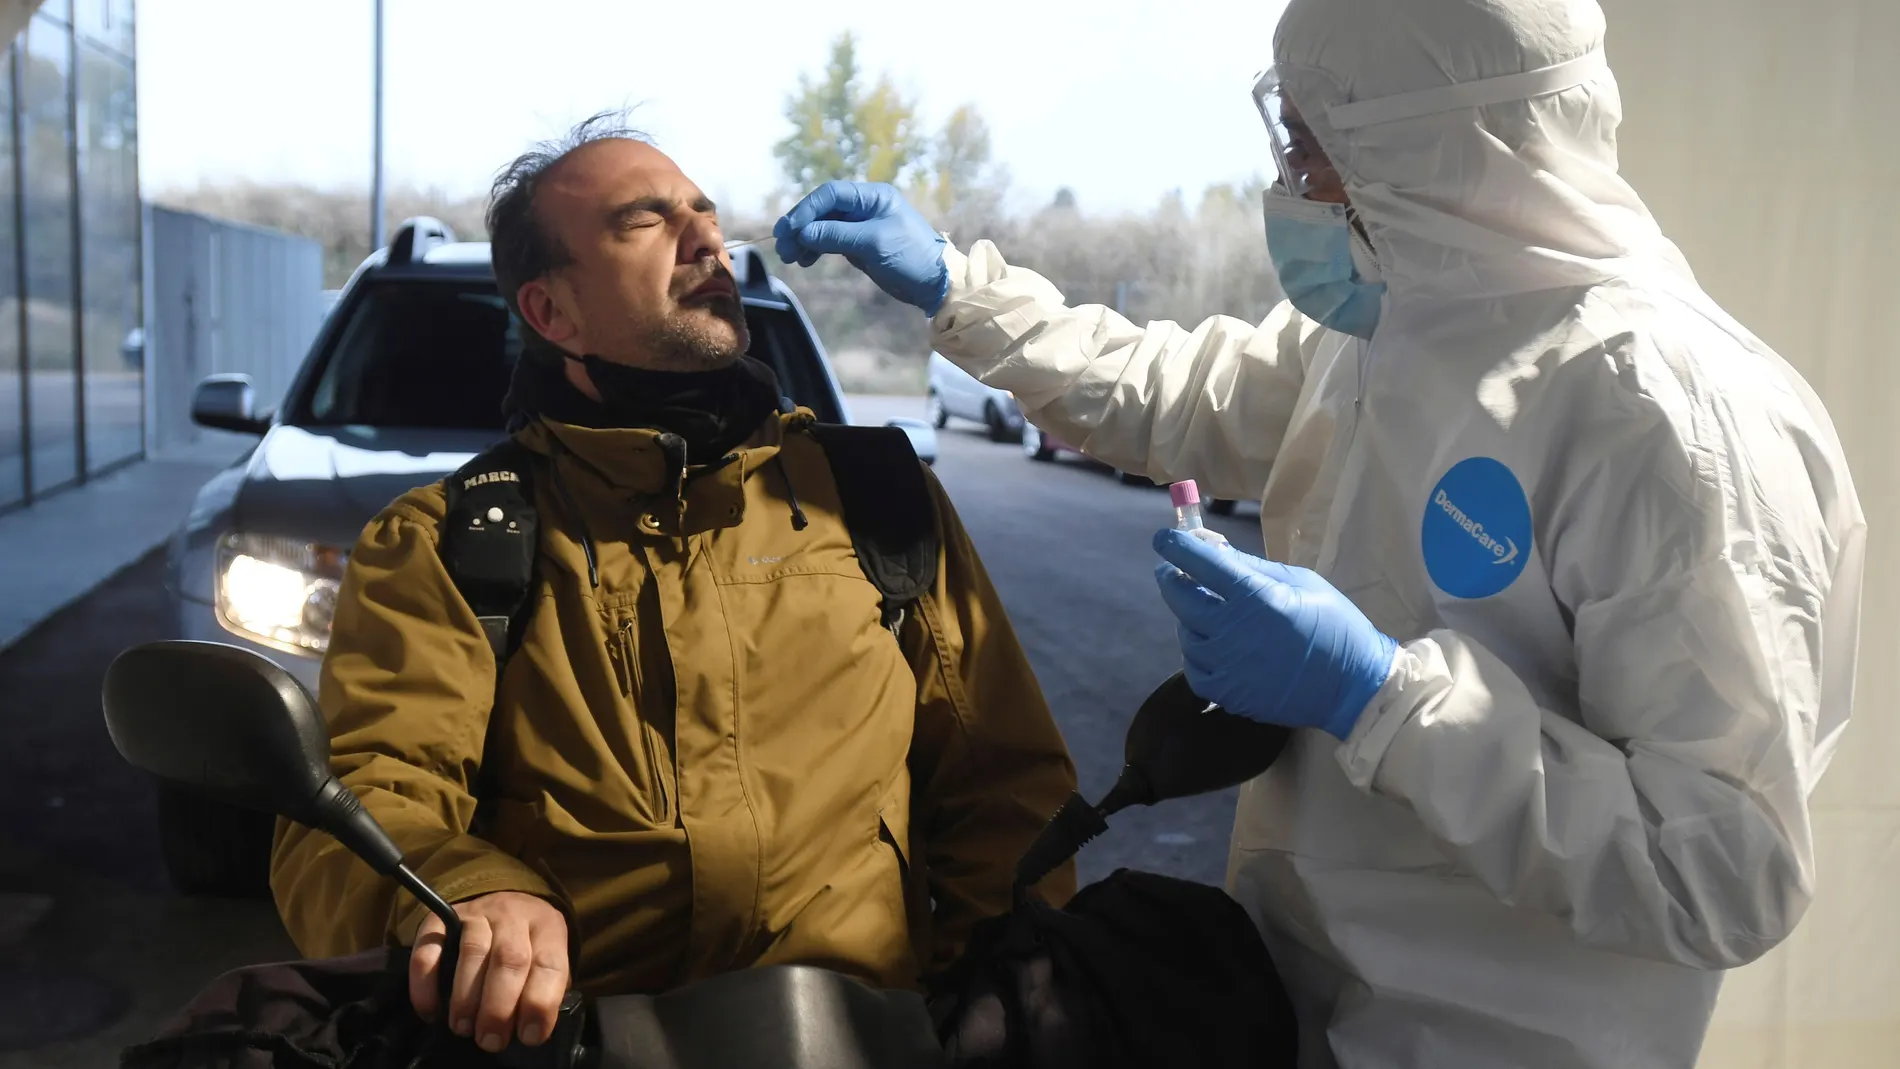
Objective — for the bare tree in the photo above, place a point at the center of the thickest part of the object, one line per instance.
(1171, 262)
(1176, 261)
(332, 218)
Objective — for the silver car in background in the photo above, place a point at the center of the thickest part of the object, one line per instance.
(954, 392)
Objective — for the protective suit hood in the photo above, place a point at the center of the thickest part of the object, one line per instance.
(1476, 139)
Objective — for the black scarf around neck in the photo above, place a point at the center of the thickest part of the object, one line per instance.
(712, 411)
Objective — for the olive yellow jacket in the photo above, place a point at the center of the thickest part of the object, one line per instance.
(708, 751)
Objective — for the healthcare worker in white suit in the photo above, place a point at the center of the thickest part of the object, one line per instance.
(1565, 563)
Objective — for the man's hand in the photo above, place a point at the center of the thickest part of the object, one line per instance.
(511, 974)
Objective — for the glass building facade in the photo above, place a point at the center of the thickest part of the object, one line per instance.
(72, 380)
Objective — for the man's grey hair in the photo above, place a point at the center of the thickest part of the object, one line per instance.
(522, 248)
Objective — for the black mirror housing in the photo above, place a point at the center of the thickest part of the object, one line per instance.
(222, 720)
(235, 726)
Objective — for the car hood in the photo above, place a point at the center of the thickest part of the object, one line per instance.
(325, 484)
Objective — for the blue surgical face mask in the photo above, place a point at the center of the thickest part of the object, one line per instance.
(1325, 267)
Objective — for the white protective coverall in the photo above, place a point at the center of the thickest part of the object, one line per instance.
(1612, 530)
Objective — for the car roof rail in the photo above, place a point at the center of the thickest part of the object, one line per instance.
(748, 270)
(417, 236)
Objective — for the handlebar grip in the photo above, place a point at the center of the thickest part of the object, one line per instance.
(566, 1047)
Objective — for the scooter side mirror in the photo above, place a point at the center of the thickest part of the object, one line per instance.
(234, 726)
(223, 721)
(1180, 745)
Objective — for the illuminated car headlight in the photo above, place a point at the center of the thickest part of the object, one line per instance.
(278, 591)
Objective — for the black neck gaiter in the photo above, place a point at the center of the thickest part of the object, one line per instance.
(712, 411)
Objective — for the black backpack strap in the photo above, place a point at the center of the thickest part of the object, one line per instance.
(888, 510)
(490, 540)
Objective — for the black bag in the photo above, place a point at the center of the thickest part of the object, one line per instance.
(1139, 971)
(330, 1013)
(337, 1013)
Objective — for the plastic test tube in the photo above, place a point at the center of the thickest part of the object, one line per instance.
(1187, 512)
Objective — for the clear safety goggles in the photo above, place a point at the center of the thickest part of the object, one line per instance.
(1303, 166)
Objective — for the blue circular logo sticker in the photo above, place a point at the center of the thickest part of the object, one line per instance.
(1477, 531)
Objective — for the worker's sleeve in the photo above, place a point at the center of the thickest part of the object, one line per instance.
(988, 764)
(406, 689)
(1666, 816)
(1210, 404)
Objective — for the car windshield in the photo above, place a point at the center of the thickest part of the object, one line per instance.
(418, 354)
(440, 354)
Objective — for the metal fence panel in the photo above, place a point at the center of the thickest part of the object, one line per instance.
(224, 298)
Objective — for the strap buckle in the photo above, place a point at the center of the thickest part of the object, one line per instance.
(495, 629)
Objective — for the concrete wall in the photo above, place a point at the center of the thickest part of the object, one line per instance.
(1765, 136)
(14, 15)
(221, 297)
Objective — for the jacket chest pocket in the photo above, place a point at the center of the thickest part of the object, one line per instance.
(644, 671)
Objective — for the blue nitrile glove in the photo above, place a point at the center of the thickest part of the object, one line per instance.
(874, 227)
(1270, 641)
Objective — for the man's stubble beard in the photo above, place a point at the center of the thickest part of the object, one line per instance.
(686, 341)
(678, 343)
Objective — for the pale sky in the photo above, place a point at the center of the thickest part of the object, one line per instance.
(1122, 100)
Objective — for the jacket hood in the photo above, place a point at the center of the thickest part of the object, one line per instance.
(1476, 140)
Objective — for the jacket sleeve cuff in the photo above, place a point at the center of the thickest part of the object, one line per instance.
(1419, 676)
(465, 868)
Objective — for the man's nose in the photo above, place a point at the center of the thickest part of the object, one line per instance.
(701, 238)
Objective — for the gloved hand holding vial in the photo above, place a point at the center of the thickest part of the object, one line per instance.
(1266, 640)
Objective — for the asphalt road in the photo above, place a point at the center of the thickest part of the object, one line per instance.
(113, 951)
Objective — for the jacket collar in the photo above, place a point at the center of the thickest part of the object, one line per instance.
(635, 475)
(640, 459)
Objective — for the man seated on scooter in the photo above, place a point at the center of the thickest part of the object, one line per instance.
(707, 753)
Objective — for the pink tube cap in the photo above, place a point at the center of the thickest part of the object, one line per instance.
(1184, 493)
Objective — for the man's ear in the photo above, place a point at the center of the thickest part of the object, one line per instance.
(544, 307)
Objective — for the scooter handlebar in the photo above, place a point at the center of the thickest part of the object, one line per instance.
(567, 1047)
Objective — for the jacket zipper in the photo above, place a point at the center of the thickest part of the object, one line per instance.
(635, 689)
